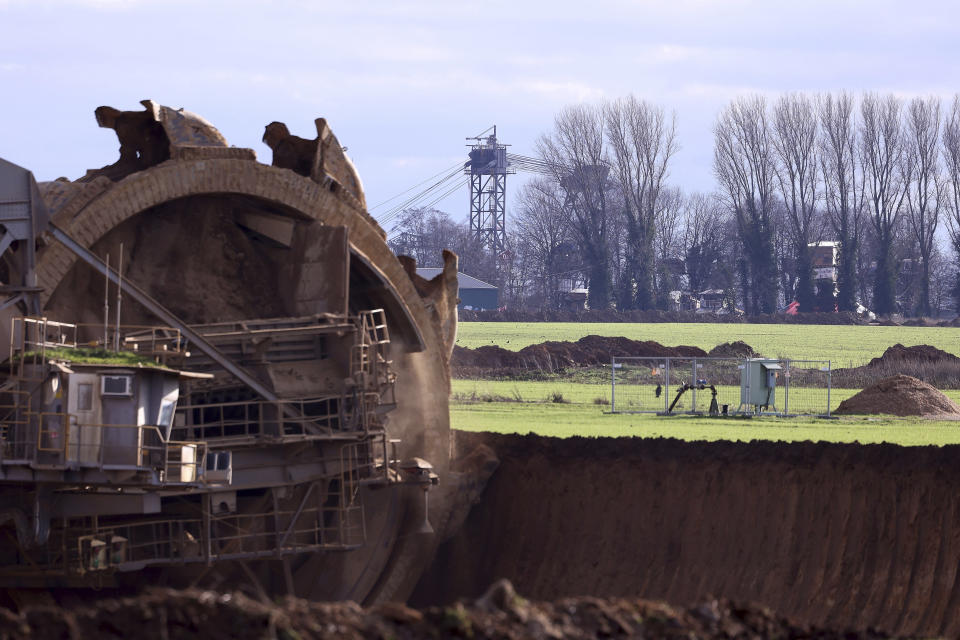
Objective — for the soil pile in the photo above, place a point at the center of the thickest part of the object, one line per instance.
(500, 613)
(924, 353)
(900, 396)
(737, 349)
(835, 535)
(559, 355)
(924, 362)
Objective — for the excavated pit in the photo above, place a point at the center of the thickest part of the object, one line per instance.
(838, 535)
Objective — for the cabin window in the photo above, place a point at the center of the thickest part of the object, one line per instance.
(85, 397)
(166, 413)
(117, 385)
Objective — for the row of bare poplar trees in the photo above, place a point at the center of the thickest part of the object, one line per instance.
(874, 172)
(891, 164)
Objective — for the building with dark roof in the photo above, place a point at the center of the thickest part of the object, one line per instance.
(473, 293)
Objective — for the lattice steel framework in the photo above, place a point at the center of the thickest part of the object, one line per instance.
(488, 169)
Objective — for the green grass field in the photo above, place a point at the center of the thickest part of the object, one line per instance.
(524, 391)
(845, 345)
(529, 406)
(566, 420)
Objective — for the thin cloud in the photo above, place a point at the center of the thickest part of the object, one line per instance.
(563, 90)
(90, 4)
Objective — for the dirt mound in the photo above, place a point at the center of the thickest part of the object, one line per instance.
(898, 354)
(500, 613)
(900, 395)
(603, 348)
(925, 362)
(836, 535)
(558, 355)
(737, 349)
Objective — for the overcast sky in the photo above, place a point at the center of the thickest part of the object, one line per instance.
(403, 83)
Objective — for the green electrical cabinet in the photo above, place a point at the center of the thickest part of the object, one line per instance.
(758, 382)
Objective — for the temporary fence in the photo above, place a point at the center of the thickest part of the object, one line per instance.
(691, 386)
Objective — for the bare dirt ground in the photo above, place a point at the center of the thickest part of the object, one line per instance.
(835, 535)
(500, 613)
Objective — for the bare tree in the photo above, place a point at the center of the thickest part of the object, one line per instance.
(951, 160)
(942, 278)
(795, 131)
(618, 246)
(784, 251)
(543, 231)
(843, 189)
(423, 233)
(881, 154)
(575, 153)
(642, 140)
(668, 243)
(744, 165)
(924, 185)
(702, 240)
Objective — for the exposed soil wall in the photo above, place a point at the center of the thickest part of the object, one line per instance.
(829, 534)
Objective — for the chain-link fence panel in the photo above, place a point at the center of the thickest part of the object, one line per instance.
(639, 385)
(807, 386)
(718, 379)
(682, 386)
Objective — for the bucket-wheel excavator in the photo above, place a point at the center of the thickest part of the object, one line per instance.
(217, 374)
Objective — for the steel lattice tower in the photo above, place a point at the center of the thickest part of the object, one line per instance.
(488, 169)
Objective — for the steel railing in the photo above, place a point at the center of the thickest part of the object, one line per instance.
(32, 337)
(59, 439)
(244, 419)
(231, 536)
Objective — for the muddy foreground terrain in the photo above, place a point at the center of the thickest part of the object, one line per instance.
(500, 613)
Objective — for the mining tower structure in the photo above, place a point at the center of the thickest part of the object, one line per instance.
(488, 168)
